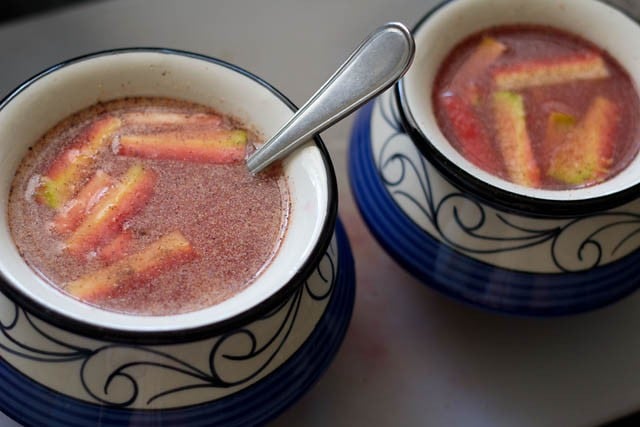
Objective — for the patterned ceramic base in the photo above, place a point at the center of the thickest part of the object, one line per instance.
(31, 403)
(457, 245)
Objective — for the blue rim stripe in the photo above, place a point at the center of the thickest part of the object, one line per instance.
(464, 278)
(33, 404)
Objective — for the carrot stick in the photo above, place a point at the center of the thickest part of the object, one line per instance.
(117, 248)
(75, 209)
(559, 125)
(169, 251)
(67, 172)
(465, 81)
(219, 146)
(471, 134)
(586, 154)
(550, 71)
(121, 202)
(166, 118)
(513, 139)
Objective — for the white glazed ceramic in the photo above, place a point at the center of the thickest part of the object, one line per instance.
(470, 234)
(452, 22)
(68, 89)
(113, 365)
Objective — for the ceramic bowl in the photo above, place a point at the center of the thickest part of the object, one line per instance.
(239, 362)
(478, 238)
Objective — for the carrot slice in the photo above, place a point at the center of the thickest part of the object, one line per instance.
(466, 79)
(165, 253)
(586, 154)
(550, 71)
(75, 209)
(122, 201)
(558, 127)
(71, 168)
(471, 133)
(117, 248)
(166, 118)
(513, 139)
(219, 146)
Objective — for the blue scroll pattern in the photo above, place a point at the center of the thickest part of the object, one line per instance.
(482, 232)
(236, 359)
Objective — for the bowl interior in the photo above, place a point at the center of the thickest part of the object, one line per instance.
(451, 23)
(63, 90)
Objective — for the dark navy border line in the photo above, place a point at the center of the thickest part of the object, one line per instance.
(106, 333)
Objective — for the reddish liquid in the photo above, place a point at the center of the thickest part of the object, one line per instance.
(233, 220)
(523, 44)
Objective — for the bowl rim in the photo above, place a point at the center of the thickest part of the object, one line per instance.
(105, 333)
(487, 193)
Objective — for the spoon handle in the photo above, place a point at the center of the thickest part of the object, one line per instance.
(381, 59)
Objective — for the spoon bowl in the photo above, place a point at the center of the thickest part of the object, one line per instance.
(380, 60)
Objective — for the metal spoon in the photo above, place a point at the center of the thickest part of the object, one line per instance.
(381, 59)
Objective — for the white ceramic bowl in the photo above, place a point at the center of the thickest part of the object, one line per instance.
(99, 358)
(450, 24)
(470, 234)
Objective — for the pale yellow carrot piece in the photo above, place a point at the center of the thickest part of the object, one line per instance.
(586, 154)
(513, 139)
(69, 170)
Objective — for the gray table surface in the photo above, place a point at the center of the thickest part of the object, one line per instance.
(411, 356)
